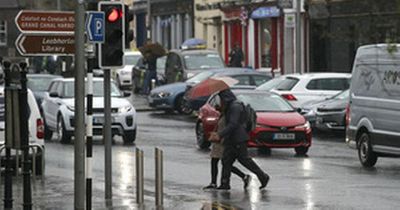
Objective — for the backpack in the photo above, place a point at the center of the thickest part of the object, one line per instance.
(248, 117)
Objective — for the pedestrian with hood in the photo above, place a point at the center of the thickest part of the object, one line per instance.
(236, 56)
(235, 141)
(216, 153)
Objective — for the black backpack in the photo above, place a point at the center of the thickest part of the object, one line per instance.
(248, 117)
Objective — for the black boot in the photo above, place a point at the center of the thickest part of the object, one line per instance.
(264, 181)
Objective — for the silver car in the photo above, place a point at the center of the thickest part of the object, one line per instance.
(58, 111)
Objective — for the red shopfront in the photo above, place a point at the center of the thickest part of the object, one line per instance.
(260, 38)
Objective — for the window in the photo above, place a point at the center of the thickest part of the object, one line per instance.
(243, 79)
(287, 84)
(329, 84)
(259, 80)
(3, 33)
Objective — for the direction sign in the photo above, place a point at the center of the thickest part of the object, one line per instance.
(46, 44)
(95, 26)
(45, 21)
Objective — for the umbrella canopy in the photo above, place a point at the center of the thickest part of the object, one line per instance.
(210, 86)
(152, 49)
(193, 42)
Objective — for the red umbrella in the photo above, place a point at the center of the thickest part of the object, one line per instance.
(210, 86)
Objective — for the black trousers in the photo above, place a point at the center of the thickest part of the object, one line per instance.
(214, 171)
(239, 152)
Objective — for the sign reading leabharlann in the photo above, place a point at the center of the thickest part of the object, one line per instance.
(46, 44)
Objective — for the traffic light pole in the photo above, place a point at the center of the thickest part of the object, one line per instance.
(107, 135)
(79, 161)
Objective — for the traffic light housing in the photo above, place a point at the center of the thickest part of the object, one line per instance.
(111, 52)
(128, 31)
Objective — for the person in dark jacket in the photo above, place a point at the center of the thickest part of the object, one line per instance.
(236, 56)
(151, 72)
(235, 141)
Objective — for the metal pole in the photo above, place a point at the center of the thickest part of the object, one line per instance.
(8, 201)
(139, 177)
(89, 133)
(79, 162)
(107, 134)
(298, 37)
(23, 102)
(149, 21)
(159, 178)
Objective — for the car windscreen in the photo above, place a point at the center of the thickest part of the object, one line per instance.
(342, 95)
(200, 77)
(271, 84)
(98, 89)
(203, 61)
(266, 102)
(131, 59)
(39, 83)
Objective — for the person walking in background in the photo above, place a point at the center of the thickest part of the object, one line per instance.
(236, 56)
(235, 141)
(217, 150)
(151, 72)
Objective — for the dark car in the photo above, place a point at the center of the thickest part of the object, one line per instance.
(248, 79)
(39, 84)
(279, 125)
(139, 71)
(331, 114)
(183, 64)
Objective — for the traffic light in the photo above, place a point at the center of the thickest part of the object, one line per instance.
(112, 50)
(128, 31)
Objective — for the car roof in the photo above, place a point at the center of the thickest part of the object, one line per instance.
(234, 70)
(132, 53)
(318, 75)
(252, 92)
(44, 75)
(73, 79)
(189, 52)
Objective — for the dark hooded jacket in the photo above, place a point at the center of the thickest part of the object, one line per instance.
(234, 132)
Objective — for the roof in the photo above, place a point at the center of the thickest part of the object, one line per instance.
(73, 79)
(43, 76)
(319, 75)
(202, 51)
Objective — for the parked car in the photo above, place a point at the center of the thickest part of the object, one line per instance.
(183, 64)
(58, 110)
(279, 125)
(35, 126)
(374, 111)
(39, 84)
(301, 88)
(123, 76)
(171, 96)
(330, 111)
(248, 79)
(139, 72)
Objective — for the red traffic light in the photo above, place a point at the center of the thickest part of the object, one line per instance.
(114, 14)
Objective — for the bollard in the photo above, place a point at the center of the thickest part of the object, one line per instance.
(33, 163)
(153, 83)
(159, 178)
(139, 177)
(17, 163)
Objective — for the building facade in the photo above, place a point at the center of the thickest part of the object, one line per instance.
(339, 27)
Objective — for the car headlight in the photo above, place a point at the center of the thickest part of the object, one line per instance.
(71, 108)
(124, 109)
(304, 126)
(189, 75)
(164, 94)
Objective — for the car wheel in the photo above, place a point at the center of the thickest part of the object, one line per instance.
(367, 157)
(62, 135)
(182, 106)
(48, 134)
(201, 140)
(129, 137)
(301, 150)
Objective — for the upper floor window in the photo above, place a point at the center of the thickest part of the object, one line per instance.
(3, 33)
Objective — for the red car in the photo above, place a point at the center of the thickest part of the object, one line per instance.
(279, 125)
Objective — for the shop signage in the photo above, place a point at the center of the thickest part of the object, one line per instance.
(290, 20)
(285, 4)
(265, 12)
(45, 44)
(45, 21)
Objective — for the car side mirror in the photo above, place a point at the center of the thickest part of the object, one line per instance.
(54, 94)
(299, 110)
(126, 94)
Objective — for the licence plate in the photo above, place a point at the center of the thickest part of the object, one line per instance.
(319, 120)
(284, 136)
(98, 120)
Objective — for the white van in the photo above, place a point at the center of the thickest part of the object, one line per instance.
(373, 115)
(36, 131)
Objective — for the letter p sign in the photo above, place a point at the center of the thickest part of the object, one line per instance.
(95, 26)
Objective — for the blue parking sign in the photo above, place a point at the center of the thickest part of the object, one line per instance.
(95, 27)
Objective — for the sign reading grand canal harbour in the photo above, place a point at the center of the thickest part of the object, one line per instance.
(45, 33)
(46, 44)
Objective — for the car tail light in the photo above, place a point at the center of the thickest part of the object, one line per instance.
(347, 115)
(39, 128)
(289, 97)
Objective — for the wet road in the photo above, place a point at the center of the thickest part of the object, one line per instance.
(329, 178)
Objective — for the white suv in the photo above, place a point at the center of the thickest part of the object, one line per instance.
(36, 129)
(301, 88)
(58, 111)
